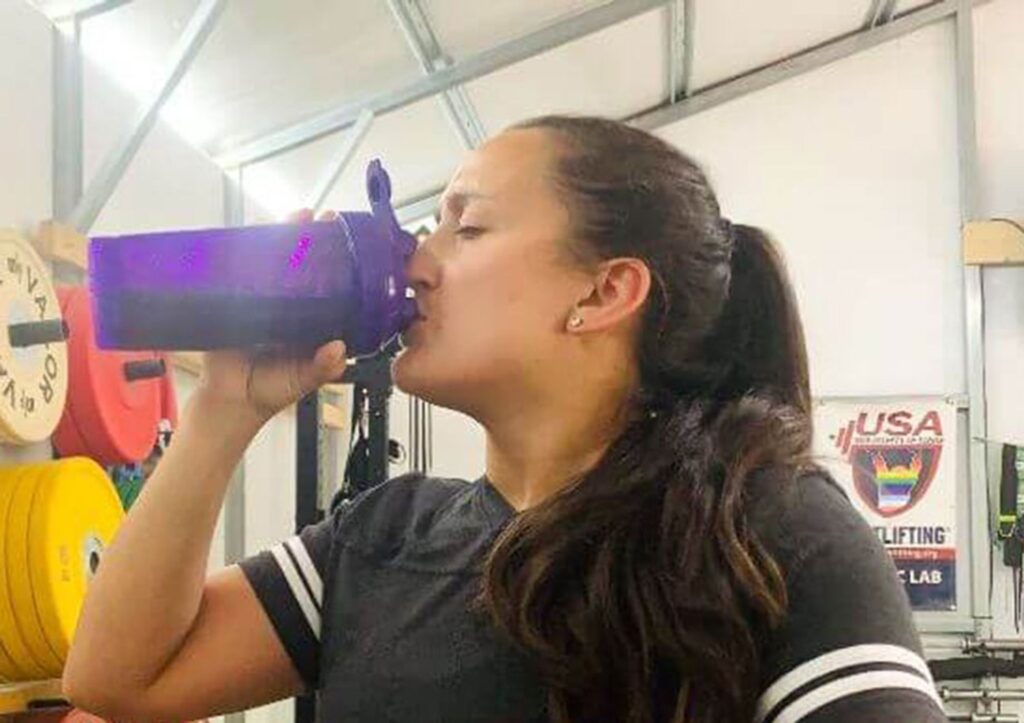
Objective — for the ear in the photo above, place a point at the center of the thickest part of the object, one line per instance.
(620, 288)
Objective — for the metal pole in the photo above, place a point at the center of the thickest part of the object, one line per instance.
(353, 139)
(455, 103)
(199, 27)
(981, 695)
(67, 117)
(974, 645)
(967, 145)
(680, 48)
(565, 31)
(307, 489)
(81, 9)
(880, 12)
(234, 504)
(418, 208)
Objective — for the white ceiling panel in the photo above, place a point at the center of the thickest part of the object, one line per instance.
(734, 36)
(275, 62)
(267, 64)
(614, 72)
(465, 28)
(270, 63)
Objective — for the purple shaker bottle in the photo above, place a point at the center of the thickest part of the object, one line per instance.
(287, 284)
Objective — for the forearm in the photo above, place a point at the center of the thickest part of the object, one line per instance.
(147, 592)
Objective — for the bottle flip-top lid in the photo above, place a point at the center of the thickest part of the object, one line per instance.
(381, 249)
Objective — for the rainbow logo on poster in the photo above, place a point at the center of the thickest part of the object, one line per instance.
(893, 457)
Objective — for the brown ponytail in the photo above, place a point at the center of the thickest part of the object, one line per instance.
(644, 575)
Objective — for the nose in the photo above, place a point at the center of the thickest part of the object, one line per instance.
(423, 270)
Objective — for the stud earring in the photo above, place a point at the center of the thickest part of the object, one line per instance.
(575, 321)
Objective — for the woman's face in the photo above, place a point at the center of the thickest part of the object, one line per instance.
(494, 283)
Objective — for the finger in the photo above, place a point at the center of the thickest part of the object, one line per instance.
(328, 216)
(328, 365)
(303, 215)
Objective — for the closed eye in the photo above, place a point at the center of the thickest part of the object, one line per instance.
(468, 231)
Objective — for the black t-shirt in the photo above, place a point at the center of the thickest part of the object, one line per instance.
(375, 607)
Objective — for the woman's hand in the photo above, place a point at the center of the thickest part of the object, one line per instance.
(267, 381)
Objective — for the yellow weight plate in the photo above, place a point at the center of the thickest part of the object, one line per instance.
(19, 581)
(75, 515)
(33, 379)
(10, 634)
(9, 671)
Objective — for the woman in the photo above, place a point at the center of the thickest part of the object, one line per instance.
(649, 543)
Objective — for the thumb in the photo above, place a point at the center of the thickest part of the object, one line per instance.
(327, 365)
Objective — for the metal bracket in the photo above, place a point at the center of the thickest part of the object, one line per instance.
(880, 12)
(681, 19)
(420, 36)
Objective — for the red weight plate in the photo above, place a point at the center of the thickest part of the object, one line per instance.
(67, 438)
(168, 395)
(117, 418)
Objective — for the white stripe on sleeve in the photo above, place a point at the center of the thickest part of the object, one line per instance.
(850, 685)
(834, 661)
(299, 591)
(307, 568)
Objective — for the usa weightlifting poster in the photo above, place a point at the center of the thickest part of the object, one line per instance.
(897, 462)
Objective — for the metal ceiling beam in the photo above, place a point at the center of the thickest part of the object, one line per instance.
(571, 28)
(81, 9)
(354, 137)
(795, 65)
(754, 80)
(198, 29)
(680, 47)
(414, 209)
(455, 103)
(880, 12)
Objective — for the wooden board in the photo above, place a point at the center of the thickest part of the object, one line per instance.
(58, 242)
(997, 242)
(333, 417)
(21, 697)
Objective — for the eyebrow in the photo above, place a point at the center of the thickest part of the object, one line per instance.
(460, 199)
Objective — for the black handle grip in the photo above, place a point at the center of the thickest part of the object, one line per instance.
(144, 369)
(37, 333)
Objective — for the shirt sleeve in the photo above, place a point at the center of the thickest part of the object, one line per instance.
(847, 650)
(288, 580)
